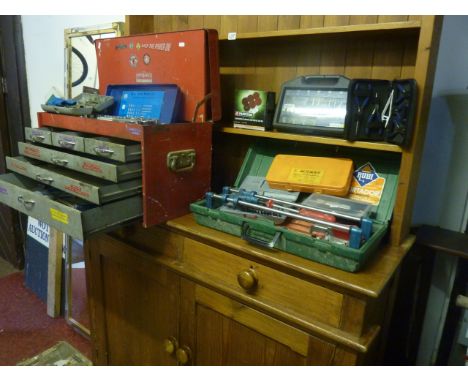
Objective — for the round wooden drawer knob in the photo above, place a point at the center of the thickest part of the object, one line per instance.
(170, 345)
(183, 355)
(248, 279)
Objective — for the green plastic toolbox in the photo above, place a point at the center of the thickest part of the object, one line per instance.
(263, 232)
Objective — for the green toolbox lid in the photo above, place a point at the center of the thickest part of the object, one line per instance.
(372, 165)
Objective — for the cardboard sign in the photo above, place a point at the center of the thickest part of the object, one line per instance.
(39, 231)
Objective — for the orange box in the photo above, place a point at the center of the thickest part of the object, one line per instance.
(311, 174)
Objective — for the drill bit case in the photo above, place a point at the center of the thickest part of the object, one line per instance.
(380, 110)
(263, 232)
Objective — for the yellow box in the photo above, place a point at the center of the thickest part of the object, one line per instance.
(311, 174)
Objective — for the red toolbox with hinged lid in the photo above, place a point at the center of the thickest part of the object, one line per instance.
(176, 157)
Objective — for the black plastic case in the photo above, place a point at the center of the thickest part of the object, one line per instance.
(367, 100)
(319, 89)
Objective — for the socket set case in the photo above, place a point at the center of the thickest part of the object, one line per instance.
(310, 174)
(265, 233)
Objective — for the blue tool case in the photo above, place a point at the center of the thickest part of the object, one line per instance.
(158, 102)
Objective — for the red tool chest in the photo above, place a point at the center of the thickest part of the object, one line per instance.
(176, 158)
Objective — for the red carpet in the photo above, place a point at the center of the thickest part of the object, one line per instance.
(25, 328)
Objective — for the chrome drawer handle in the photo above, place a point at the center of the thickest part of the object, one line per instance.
(40, 178)
(28, 204)
(37, 138)
(65, 143)
(61, 162)
(103, 151)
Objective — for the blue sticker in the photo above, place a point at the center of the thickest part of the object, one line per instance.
(365, 174)
(3, 191)
(134, 130)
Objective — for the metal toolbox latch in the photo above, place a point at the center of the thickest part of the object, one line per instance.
(183, 160)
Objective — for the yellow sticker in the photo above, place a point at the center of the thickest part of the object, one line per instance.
(306, 176)
(367, 185)
(60, 216)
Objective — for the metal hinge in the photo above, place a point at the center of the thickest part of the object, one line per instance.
(4, 85)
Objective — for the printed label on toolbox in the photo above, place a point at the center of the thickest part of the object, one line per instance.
(366, 185)
(19, 167)
(91, 167)
(32, 151)
(76, 190)
(144, 77)
(305, 176)
(60, 216)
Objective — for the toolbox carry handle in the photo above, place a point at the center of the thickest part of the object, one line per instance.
(253, 240)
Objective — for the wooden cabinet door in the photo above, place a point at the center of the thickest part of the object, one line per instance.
(222, 331)
(134, 305)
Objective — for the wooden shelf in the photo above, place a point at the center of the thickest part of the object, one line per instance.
(361, 28)
(313, 139)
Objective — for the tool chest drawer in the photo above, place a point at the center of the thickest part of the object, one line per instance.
(279, 290)
(43, 135)
(69, 140)
(66, 213)
(104, 169)
(94, 190)
(115, 149)
(112, 148)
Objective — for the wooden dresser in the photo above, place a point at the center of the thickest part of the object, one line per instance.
(187, 294)
(182, 293)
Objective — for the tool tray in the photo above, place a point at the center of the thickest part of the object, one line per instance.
(367, 100)
(263, 232)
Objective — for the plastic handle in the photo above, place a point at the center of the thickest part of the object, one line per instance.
(28, 204)
(253, 240)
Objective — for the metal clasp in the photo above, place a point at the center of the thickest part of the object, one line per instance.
(183, 160)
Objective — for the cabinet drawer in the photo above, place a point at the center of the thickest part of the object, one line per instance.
(113, 171)
(290, 294)
(68, 214)
(115, 149)
(94, 190)
(68, 140)
(42, 135)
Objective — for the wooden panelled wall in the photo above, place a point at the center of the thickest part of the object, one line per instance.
(240, 24)
(266, 62)
(266, 65)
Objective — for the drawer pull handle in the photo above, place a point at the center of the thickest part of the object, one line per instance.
(183, 355)
(245, 234)
(40, 178)
(28, 204)
(66, 143)
(37, 138)
(103, 151)
(170, 345)
(61, 162)
(248, 279)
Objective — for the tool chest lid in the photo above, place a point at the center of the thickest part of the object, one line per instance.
(188, 59)
(384, 166)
